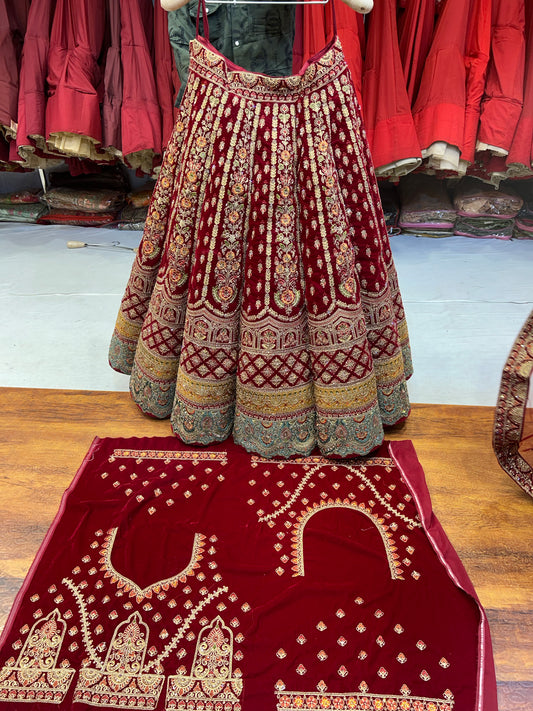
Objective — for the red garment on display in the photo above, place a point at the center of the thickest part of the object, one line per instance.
(264, 300)
(504, 89)
(521, 152)
(477, 55)
(311, 23)
(8, 70)
(112, 103)
(141, 117)
(13, 20)
(439, 110)
(387, 109)
(512, 438)
(74, 76)
(167, 79)
(415, 31)
(178, 578)
(33, 72)
(351, 32)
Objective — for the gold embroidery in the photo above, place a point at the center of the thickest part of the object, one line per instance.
(132, 588)
(167, 455)
(212, 682)
(212, 66)
(379, 523)
(267, 402)
(355, 701)
(122, 682)
(36, 676)
(200, 392)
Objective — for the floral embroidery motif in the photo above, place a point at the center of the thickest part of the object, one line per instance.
(36, 676)
(271, 224)
(213, 682)
(233, 195)
(132, 588)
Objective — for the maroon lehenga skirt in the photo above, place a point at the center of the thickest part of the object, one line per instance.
(263, 300)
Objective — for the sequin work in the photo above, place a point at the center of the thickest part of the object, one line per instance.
(263, 300)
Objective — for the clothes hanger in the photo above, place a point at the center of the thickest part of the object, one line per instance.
(361, 6)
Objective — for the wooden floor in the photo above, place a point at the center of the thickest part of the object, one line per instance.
(44, 435)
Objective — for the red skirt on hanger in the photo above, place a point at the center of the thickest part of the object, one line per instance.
(387, 110)
(74, 76)
(504, 91)
(8, 70)
(521, 153)
(31, 129)
(415, 30)
(141, 117)
(311, 36)
(112, 104)
(167, 81)
(439, 110)
(477, 55)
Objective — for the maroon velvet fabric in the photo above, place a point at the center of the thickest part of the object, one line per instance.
(199, 579)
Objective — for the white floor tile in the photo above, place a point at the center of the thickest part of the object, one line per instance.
(465, 300)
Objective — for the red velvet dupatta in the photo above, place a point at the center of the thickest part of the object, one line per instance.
(180, 578)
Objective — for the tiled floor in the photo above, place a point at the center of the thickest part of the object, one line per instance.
(465, 299)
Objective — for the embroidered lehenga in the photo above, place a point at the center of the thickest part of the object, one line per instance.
(263, 300)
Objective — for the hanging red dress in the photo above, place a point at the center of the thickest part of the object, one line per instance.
(415, 31)
(31, 129)
(263, 299)
(520, 158)
(311, 36)
(8, 72)
(73, 120)
(112, 104)
(141, 117)
(165, 72)
(387, 110)
(351, 32)
(310, 33)
(439, 110)
(477, 55)
(504, 92)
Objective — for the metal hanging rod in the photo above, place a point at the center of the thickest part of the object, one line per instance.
(266, 2)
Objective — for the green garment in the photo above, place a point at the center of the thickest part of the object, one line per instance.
(256, 37)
